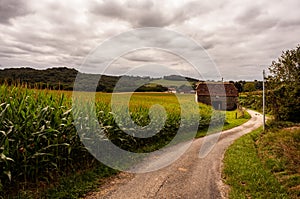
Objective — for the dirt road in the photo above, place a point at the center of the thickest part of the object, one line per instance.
(188, 177)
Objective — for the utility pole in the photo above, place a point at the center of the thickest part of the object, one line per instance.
(264, 117)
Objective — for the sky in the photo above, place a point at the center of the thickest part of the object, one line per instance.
(241, 37)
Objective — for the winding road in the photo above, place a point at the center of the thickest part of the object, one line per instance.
(188, 177)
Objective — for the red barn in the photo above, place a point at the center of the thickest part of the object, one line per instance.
(220, 95)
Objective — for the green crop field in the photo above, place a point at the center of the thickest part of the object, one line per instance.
(39, 142)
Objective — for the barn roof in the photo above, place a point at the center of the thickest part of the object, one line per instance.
(217, 88)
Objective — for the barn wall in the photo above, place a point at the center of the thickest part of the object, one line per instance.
(219, 102)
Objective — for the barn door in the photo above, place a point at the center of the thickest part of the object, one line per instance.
(217, 105)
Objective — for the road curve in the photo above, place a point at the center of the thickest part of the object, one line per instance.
(188, 177)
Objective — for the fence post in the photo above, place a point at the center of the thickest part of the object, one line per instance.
(264, 117)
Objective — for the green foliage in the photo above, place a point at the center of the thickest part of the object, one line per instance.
(236, 118)
(139, 106)
(252, 100)
(63, 79)
(249, 87)
(279, 150)
(53, 78)
(284, 86)
(39, 143)
(232, 119)
(75, 186)
(245, 172)
(265, 164)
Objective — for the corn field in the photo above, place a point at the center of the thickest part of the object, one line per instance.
(38, 138)
(38, 141)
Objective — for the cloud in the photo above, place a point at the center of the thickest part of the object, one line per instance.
(256, 19)
(10, 9)
(240, 36)
(148, 13)
(249, 15)
(293, 23)
(146, 62)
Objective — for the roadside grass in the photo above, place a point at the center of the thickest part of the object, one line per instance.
(263, 165)
(79, 184)
(279, 151)
(233, 119)
(246, 173)
(72, 186)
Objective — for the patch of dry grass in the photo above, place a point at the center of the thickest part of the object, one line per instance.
(280, 152)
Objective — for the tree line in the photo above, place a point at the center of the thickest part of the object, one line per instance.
(248, 86)
(63, 78)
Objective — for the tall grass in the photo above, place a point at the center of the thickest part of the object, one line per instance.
(38, 141)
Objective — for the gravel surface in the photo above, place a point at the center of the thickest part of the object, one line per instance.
(188, 177)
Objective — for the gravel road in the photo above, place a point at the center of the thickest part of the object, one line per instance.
(188, 177)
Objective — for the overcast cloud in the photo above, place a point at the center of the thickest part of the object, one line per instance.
(242, 37)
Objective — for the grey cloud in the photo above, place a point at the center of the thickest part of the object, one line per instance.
(108, 8)
(208, 44)
(15, 51)
(27, 48)
(138, 59)
(38, 43)
(12, 8)
(291, 23)
(152, 18)
(135, 14)
(149, 13)
(249, 15)
(236, 34)
(265, 23)
(256, 19)
(5, 55)
(151, 55)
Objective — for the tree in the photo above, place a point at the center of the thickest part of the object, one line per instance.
(249, 87)
(258, 85)
(283, 84)
(239, 85)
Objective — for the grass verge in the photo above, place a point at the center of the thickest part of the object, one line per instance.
(70, 187)
(245, 172)
(279, 151)
(233, 119)
(79, 184)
